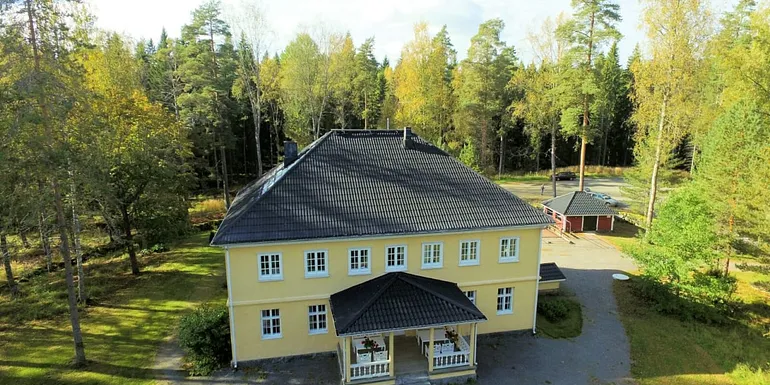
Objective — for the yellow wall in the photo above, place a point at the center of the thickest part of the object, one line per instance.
(549, 286)
(294, 293)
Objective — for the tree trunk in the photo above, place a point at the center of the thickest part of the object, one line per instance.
(82, 296)
(129, 239)
(80, 354)
(225, 183)
(24, 240)
(603, 160)
(656, 166)
(256, 114)
(366, 113)
(502, 153)
(584, 134)
(7, 264)
(216, 166)
(44, 241)
(553, 157)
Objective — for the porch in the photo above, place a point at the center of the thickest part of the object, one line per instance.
(409, 326)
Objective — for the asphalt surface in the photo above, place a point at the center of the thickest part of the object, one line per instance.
(600, 355)
(531, 190)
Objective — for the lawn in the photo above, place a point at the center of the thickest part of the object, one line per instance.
(569, 327)
(545, 175)
(122, 331)
(667, 351)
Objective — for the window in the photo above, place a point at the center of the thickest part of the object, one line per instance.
(270, 267)
(471, 296)
(358, 261)
(469, 253)
(509, 249)
(315, 264)
(317, 319)
(395, 258)
(432, 255)
(271, 324)
(505, 300)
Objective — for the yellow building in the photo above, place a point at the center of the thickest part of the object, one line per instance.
(383, 249)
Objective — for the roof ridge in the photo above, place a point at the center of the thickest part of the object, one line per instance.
(445, 298)
(300, 158)
(388, 283)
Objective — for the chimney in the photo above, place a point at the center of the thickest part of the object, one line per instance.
(407, 137)
(289, 152)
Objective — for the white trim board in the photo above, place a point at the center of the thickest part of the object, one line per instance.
(382, 236)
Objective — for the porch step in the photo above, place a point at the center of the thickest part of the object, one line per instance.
(418, 378)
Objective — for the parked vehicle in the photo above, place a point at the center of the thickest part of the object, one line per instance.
(565, 175)
(605, 198)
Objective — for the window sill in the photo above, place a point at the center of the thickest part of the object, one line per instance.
(317, 332)
(429, 267)
(361, 272)
(309, 276)
(504, 312)
(508, 260)
(272, 337)
(395, 269)
(270, 279)
(470, 263)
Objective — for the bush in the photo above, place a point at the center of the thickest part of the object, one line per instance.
(708, 301)
(553, 309)
(204, 335)
(159, 248)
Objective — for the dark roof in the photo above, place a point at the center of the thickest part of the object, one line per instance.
(364, 182)
(550, 272)
(396, 301)
(578, 203)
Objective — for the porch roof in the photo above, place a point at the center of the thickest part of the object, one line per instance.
(399, 301)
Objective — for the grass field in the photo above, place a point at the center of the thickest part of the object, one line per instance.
(570, 327)
(545, 175)
(667, 351)
(122, 331)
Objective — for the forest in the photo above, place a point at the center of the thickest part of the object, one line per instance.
(96, 126)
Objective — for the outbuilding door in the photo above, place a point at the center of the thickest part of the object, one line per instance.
(589, 223)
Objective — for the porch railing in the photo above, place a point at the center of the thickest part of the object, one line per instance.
(454, 359)
(369, 370)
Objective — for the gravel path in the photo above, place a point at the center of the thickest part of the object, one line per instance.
(600, 355)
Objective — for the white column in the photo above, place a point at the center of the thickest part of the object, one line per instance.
(430, 352)
(391, 354)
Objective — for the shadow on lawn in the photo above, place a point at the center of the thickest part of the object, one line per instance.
(668, 345)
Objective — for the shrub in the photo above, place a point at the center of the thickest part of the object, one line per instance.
(706, 302)
(553, 309)
(204, 335)
(159, 248)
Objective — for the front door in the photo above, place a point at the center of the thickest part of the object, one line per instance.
(589, 223)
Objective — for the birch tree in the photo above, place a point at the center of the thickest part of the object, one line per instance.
(666, 80)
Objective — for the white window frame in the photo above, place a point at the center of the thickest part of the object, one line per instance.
(469, 262)
(396, 267)
(431, 264)
(272, 316)
(504, 293)
(509, 258)
(471, 294)
(317, 273)
(359, 270)
(317, 311)
(271, 276)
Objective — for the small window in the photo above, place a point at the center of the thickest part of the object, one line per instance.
(395, 258)
(469, 253)
(316, 264)
(358, 261)
(471, 296)
(509, 249)
(432, 255)
(270, 268)
(505, 300)
(317, 319)
(271, 324)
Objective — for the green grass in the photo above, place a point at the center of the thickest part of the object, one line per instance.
(623, 234)
(545, 175)
(570, 327)
(122, 332)
(667, 351)
(204, 210)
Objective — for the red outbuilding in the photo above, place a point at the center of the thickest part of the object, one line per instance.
(579, 211)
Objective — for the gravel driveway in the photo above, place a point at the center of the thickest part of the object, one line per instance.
(600, 355)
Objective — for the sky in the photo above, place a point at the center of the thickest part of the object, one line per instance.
(389, 21)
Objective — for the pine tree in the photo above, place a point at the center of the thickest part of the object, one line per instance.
(366, 85)
(591, 26)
